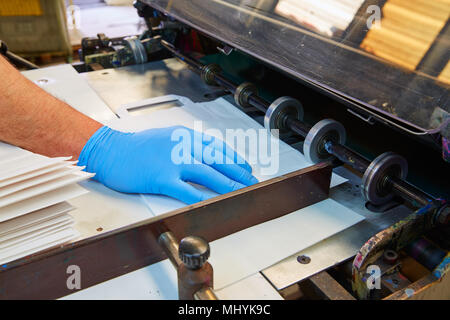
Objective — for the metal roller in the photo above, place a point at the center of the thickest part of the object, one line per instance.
(277, 113)
(242, 93)
(375, 188)
(324, 131)
(322, 142)
(139, 52)
(208, 73)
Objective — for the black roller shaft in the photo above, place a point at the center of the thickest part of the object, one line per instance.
(347, 156)
(178, 54)
(298, 127)
(359, 163)
(225, 83)
(408, 191)
(259, 103)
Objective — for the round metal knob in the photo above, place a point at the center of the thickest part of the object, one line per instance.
(194, 252)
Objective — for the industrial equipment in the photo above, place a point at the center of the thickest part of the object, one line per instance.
(365, 100)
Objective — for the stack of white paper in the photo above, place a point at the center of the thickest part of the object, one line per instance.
(33, 212)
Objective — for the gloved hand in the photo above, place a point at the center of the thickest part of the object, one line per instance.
(149, 162)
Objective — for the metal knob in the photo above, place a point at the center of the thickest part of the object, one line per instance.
(194, 252)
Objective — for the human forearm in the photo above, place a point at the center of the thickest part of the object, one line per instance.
(35, 120)
(142, 162)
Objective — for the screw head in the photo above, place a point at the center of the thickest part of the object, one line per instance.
(194, 252)
(303, 259)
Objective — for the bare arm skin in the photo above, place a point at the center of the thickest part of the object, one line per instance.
(35, 120)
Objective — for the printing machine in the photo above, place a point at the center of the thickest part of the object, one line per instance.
(352, 101)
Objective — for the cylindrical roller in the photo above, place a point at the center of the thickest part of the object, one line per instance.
(208, 72)
(243, 92)
(324, 131)
(374, 186)
(277, 113)
(139, 52)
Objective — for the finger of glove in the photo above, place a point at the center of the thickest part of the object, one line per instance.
(228, 154)
(214, 158)
(185, 192)
(210, 178)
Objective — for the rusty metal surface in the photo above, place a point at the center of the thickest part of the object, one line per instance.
(100, 258)
(328, 288)
(426, 288)
(394, 237)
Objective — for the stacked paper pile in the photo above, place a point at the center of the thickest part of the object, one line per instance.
(33, 212)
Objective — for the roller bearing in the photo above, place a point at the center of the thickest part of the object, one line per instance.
(208, 72)
(322, 132)
(243, 92)
(374, 186)
(277, 112)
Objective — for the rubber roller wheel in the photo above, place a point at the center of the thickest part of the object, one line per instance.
(374, 188)
(322, 132)
(276, 113)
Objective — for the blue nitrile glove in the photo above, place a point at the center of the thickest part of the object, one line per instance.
(153, 161)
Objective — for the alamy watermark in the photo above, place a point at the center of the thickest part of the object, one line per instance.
(259, 146)
(73, 281)
(374, 279)
(73, 14)
(374, 20)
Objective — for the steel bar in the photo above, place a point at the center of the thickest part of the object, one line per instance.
(109, 255)
(205, 294)
(347, 156)
(408, 191)
(258, 102)
(224, 82)
(298, 127)
(170, 246)
(192, 62)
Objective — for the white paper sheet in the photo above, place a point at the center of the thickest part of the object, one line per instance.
(44, 187)
(36, 217)
(29, 228)
(36, 173)
(42, 230)
(48, 241)
(15, 161)
(41, 201)
(31, 182)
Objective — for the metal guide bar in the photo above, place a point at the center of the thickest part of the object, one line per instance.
(109, 255)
